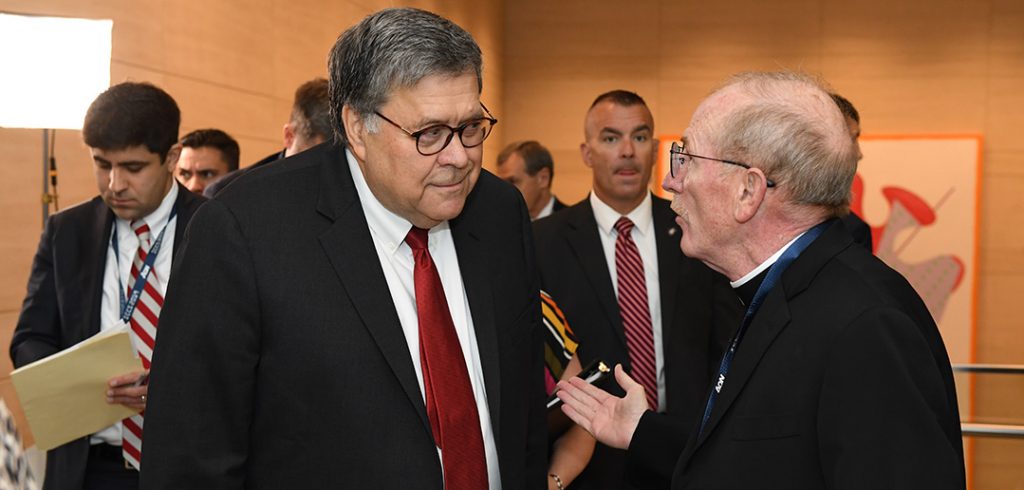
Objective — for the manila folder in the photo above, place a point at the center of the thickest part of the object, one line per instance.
(64, 395)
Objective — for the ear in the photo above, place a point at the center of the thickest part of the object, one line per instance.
(544, 177)
(289, 135)
(585, 153)
(171, 162)
(751, 194)
(355, 132)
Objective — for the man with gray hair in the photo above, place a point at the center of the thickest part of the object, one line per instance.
(366, 315)
(837, 377)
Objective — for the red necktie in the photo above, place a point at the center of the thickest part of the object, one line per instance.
(451, 407)
(635, 312)
(143, 326)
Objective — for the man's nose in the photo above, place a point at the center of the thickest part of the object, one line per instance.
(627, 148)
(454, 154)
(118, 181)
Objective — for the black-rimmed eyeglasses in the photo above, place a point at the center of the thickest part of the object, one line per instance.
(432, 140)
(678, 154)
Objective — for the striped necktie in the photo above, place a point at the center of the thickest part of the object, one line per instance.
(143, 327)
(635, 312)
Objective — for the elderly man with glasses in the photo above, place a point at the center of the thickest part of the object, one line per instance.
(837, 376)
(367, 314)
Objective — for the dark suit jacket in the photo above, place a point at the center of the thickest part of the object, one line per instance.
(699, 313)
(215, 188)
(62, 306)
(558, 206)
(859, 230)
(282, 362)
(841, 381)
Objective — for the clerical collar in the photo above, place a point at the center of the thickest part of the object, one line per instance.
(747, 285)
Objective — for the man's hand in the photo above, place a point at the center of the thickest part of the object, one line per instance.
(129, 390)
(610, 419)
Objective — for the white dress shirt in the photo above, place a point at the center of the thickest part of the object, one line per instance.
(647, 244)
(548, 209)
(117, 276)
(388, 231)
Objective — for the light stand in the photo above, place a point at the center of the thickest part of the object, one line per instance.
(55, 68)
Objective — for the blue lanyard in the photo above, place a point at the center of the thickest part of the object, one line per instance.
(774, 274)
(128, 306)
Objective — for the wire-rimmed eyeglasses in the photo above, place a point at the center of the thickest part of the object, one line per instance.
(431, 140)
(677, 158)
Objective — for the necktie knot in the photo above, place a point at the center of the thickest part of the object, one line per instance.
(417, 238)
(624, 225)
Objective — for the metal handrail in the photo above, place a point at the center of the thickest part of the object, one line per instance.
(989, 368)
(992, 430)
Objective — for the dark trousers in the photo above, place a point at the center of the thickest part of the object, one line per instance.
(106, 470)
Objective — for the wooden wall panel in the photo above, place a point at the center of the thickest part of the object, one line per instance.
(942, 66)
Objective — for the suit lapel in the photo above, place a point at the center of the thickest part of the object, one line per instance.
(585, 240)
(95, 264)
(351, 252)
(768, 323)
(473, 263)
(666, 235)
(773, 318)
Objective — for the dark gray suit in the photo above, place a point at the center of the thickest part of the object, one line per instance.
(282, 362)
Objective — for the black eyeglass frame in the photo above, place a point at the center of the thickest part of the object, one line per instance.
(452, 131)
(676, 149)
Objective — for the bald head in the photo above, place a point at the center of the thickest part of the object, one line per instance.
(787, 125)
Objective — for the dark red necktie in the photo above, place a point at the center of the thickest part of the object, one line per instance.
(451, 407)
(635, 311)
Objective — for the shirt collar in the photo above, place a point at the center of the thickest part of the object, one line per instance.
(157, 220)
(548, 209)
(764, 265)
(389, 228)
(606, 216)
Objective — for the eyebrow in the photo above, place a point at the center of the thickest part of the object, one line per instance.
(637, 129)
(426, 123)
(126, 162)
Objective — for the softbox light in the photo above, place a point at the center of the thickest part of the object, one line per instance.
(54, 67)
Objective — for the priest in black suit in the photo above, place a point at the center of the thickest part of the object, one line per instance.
(578, 251)
(837, 377)
(81, 270)
(365, 314)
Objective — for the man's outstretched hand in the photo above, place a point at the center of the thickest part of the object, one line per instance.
(610, 419)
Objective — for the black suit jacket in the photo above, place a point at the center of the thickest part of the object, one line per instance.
(282, 362)
(217, 186)
(558, 206)
(841, 381)
(859, 230)
(699, 312)
(62, 305)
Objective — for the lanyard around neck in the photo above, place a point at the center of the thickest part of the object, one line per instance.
(128, 305)
(773, 276)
